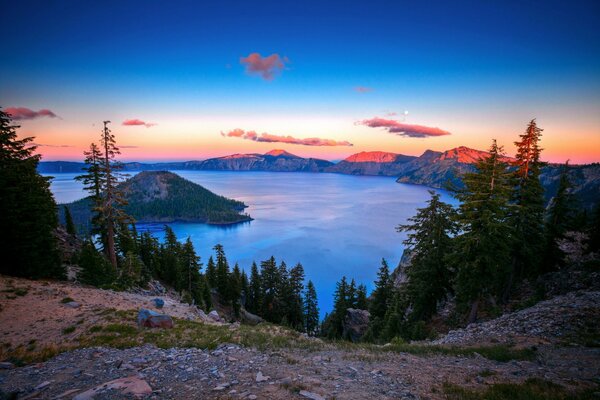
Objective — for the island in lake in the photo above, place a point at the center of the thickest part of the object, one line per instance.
(161, 196)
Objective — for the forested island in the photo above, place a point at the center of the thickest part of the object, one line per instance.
(161, 196)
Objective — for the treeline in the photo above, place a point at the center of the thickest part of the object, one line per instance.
(477, 253)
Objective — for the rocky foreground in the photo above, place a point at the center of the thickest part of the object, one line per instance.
(95, 350)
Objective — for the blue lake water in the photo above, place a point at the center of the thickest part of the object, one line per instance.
(333, 224)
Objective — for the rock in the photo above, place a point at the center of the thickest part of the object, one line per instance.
(132, 385)
(6, 365)
(73, 304)
(42, 385)
(311, 395)
(261, 378)
(158, 303)
(249, 318)
(399, 276)
(214, 315)
(151, 319)
(356, 323)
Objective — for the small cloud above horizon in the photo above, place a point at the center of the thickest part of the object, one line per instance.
(270, 138)
(401, 129)
(138, 122)
(24, 113)
(266, 67)
(49, 145)
(363, 89)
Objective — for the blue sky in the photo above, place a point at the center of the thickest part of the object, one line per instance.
(476, 69)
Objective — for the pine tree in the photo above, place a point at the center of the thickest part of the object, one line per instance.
(112, 198)
(382, 295)
(235, 289)
(527, 216)
(254, 298)
(191, 271)
(283, 299)
(28, 219)
(351, 295)
(222, 272)
(335, 321)
(211, 273)
(269, 277)
(95, 268)
(245, 287)
(296, 283)
(484, 247)
(430, 240)
(171, 269)
(206, 297)
(361, 298)
(311, 310)
(559, 220)
(69, 225)
(92, 182)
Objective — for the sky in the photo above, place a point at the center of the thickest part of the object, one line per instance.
(186, 80)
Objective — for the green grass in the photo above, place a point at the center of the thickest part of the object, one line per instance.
(68, 330)
(531, 389)
(499, 352)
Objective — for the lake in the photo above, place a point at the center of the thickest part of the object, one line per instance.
(333, 224)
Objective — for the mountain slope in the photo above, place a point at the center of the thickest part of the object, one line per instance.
(160, 196)
(371, 163)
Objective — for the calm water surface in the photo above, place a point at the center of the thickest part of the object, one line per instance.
(333, 224)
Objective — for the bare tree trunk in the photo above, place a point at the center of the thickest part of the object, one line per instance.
(110, 230)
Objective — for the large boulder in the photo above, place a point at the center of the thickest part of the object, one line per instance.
(356, 323)
(249, 318)
(399, 276)
(214, 315)
(151, 319)
(158, 303)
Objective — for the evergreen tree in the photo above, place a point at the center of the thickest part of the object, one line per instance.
(222, 273)
(430, 240)
(131, 272)
(334, 325)
(92, 182)
(69, 225)
(269, 278)
(484, 247)
(254, 298)
(235, 289)
(352, 293)
(283, 298)
(171, 269)
(295, 315)
(191, 273)
(28, 219)
(527, 216)
(245, 287)
(112, 198)
(361, 298)
(559, 220)
(311, 310)
(381, 297)
(150, 254)
(211, 273)
(206, 297)
(95, 268)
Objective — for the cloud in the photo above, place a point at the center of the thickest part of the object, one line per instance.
(269, 138)
(363, 89)
(49, 145)
(129, 147)
(266, 67)
(23, 113)
(402, 129)
(138, 122)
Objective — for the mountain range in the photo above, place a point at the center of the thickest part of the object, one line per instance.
(432, 168)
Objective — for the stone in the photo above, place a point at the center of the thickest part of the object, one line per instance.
(73, 304)
(356, 323)
(6, 365)
(261, 378)
(42, 385)
(151, 319)
(311, 395)
(158, 303)
(214, 315)
(131, 385)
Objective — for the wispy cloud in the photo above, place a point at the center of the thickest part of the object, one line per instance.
(49, 145)
(138, 122)
(266, 67)
(363, 89)
(24, 113)
(401, 129)
(269, 138)
(128, 147)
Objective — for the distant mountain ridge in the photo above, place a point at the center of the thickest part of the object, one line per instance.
(432, 168)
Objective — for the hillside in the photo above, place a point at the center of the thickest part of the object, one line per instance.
(166, 197)
(92, 347)
(371, 163)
